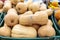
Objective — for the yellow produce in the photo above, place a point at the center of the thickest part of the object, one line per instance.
(20, 31)
(53, 7)
(55, 4)
(57, 8)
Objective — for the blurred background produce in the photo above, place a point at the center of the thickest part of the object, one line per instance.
(57, 16)
(54, 4)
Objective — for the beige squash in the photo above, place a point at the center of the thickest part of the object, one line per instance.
(34, 7)
(7, 6)
(20, 31)
(5, 31)
(21, 8)
(11, 18)
(40, 18)
(46, 30)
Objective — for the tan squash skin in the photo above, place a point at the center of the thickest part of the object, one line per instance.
(47, 30)
(11, 18)
(41, 16)
(7, 6)
(5, 31)
(34, 7)
(21, 8)
(20, 31)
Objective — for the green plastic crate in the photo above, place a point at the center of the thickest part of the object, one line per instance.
(10, 38)
(2, 18)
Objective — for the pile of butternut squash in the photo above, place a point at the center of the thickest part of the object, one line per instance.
(26, 19)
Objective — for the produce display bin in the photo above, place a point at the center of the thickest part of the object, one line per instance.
(57, 37)
(38, 38)
(10, 38)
